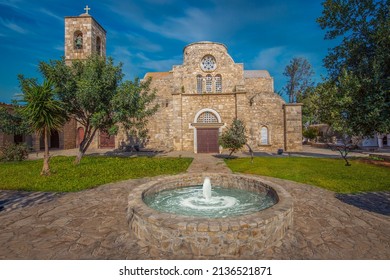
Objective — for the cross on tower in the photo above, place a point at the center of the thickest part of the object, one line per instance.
(86, 9)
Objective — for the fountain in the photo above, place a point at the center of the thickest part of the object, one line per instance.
(207, 188)
(202, 201)
(236, 215)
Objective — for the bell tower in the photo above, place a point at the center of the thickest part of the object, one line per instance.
(84, 36)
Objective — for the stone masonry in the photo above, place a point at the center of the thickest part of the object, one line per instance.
(93, 37)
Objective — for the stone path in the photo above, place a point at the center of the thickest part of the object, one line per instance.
(208, 163)
(92, 225)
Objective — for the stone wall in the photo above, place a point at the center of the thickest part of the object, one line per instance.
(293, 127)
(68, 135)
(223, 104)
(185, 74)
(264, 110)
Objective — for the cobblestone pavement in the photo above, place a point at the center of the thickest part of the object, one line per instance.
(92, 224)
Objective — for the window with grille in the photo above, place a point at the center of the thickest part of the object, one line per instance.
(199, 85)
(218, 83)
(209, 83)
(207, 117)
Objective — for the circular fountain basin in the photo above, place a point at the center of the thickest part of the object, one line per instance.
(228, 235)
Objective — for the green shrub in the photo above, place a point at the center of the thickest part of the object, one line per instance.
(14, 152)
(310, 133)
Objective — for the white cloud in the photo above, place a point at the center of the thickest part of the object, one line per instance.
(195, 25)
(269, 58)
(140, 42)
(163, 65)
(13, 26)
(49, 13)
(59, 48)
(12, 3)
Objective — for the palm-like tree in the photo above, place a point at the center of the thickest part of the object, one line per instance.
(43, 112)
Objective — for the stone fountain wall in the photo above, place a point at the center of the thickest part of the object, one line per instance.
(207, 237)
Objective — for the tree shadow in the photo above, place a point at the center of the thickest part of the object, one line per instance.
(319, 155)
(10, 200)
(125, 153)
(378, 202)
(225, 156)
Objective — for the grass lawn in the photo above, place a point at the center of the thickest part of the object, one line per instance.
(92, 171)
(330, 174)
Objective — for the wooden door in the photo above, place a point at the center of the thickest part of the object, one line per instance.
(106, 141)
(80, 136)
(207, 140)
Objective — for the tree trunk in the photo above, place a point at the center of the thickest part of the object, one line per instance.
(46, 168)
(79, 156)
(88, 137)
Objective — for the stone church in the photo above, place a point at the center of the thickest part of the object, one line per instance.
(198, 100)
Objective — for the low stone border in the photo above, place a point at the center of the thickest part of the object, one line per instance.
(196, 236)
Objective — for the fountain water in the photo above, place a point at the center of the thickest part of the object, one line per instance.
(207, 188)
(204, 201)
(179, 215)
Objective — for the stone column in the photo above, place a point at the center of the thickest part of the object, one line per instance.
(293, 127)
(380, 140)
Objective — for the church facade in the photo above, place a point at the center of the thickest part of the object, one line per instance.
(200, 98)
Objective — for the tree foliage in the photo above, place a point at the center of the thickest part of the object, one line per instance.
(86, 88)
(43, 112)
(338, 109)
(12, 122)
(234, 137)
(299, 73)
(132, 106)
(361, 60)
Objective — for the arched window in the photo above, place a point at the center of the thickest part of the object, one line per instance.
(199, 85)
(264, 136)
(218, 83)
(78, 40)
(98, 46)
(207, 117)
(209, 83)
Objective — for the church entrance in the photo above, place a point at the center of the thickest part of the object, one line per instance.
(54, 140)
(207, 126)
(80, 136)
(207, 139)
(106, 141)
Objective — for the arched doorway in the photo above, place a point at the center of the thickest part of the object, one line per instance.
(54, 139)
(80, 136)
(207, 125)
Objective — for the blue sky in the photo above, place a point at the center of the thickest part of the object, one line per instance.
(150, 35)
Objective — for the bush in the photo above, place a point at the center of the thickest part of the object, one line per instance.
(14, 152)
(310, 133)
(234, 137)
